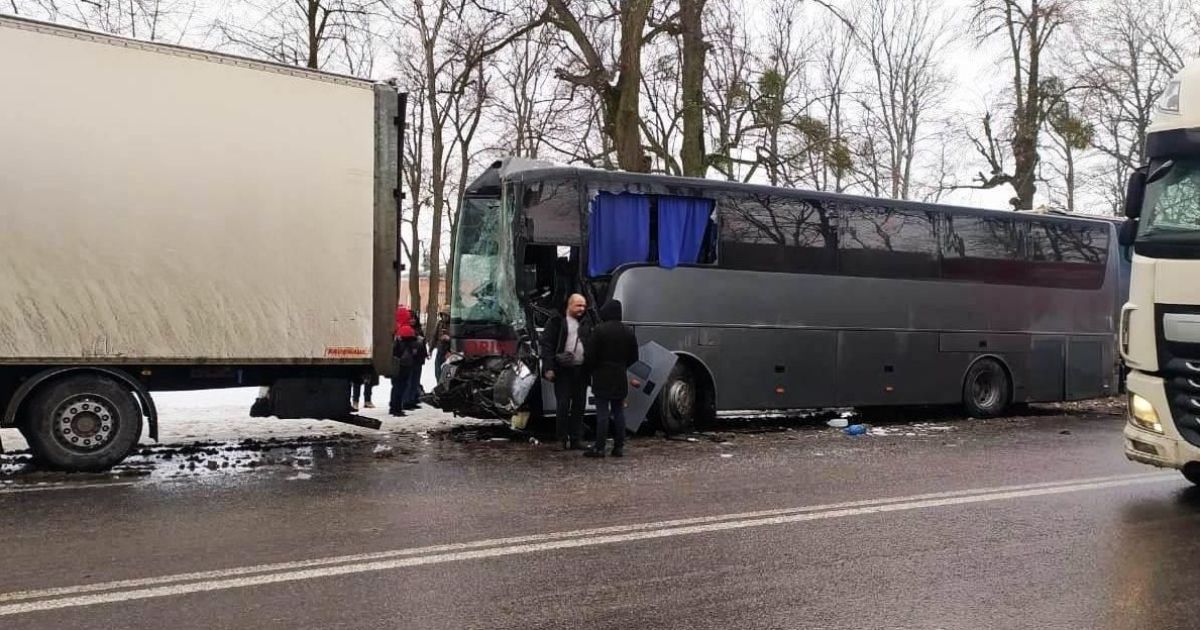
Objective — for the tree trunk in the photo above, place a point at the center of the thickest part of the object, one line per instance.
(695, 49)
(625, 99)
(314, 43)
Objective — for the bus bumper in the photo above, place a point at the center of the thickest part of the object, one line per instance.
(1167, 449)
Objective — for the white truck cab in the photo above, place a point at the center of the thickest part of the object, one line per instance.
(1160, 324)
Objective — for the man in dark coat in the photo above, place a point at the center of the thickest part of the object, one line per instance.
(611, 350)
(563, 346)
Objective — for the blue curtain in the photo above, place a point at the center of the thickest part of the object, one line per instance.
(619, 232)
(682, 222)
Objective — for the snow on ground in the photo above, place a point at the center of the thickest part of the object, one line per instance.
(224, 415)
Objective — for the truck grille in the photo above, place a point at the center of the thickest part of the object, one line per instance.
(1181, 377)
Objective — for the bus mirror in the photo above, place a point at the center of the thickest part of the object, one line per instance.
(1127, 232)
(1135, 193)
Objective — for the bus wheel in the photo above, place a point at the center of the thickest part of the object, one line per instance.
(986, 389)
(83, 423)
(677, 404)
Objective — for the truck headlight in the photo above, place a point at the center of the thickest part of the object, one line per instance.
(1142, 414)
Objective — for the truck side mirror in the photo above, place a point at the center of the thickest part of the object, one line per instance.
(1127, 233)
(1135, 194)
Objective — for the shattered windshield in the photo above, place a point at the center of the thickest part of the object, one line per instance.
(484, 288)
(1172, 210)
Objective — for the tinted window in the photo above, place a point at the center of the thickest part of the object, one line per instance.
(1067, 255)
(887, 242)
(552, 212)
(982, 249)
(1064, 242)
(764, 233)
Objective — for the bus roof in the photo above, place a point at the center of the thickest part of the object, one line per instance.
(525, 170)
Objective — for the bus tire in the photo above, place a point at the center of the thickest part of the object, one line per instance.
(679, 400)
(84, 423)
(987, 389)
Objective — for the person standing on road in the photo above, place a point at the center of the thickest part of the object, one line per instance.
(441, 341)
(611, 350)
(420, 354)
(404, 350)
(362, 389)
(563, 346)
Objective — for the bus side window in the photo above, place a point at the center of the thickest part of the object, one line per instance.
(887, 242)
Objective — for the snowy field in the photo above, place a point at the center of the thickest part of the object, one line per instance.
(224, 415)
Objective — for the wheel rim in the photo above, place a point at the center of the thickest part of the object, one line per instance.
(85, 423)
(985, 389)
(681, 398)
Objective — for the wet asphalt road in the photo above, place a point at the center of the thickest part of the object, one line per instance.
(1120, 552)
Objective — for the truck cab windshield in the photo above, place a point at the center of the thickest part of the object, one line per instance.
(1172, 209)
(484, 287)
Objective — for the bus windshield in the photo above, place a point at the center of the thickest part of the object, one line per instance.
(1172, 210)
(484, 288)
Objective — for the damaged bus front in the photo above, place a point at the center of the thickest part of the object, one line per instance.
(518, 255)
(492, 368)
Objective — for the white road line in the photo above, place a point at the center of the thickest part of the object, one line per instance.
(243, 577)
(530, 538)
(66, 486)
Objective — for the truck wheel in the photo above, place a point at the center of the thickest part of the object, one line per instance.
(678, 401)
(1191, 472)
(83, 423)
(986, 389)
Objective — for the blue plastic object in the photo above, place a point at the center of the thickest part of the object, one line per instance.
(855, 429)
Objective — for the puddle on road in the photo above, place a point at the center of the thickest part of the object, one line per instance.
(298, 456)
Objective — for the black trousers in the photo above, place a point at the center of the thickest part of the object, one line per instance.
(609, 414)
(570, 396)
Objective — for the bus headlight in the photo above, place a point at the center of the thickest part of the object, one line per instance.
(1142, 414)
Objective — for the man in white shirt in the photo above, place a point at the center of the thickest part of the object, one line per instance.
(563, 344)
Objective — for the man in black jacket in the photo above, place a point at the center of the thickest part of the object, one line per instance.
(611, 350)
(563, 346)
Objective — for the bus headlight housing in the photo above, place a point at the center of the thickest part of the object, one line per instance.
(1142, 414)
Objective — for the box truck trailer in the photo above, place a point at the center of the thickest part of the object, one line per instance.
(176, 219)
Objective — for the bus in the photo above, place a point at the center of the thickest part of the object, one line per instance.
(773, 299)
(1160, 324)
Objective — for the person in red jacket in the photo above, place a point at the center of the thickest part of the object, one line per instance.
(404, 358)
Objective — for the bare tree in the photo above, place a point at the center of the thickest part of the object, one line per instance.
(728, 86)
(616, 84)
(532, 106)
(1127, 51)
(155, 20)
(1028, 27)
(1069, 135)
(901, 44)
(316, 34)
(451, 39)
(836, 65)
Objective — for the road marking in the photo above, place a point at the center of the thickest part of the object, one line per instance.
(258, 575)
(64, 486)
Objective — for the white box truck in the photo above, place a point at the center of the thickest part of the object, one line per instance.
(177, 219)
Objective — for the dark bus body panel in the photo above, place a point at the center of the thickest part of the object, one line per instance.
(770, 340)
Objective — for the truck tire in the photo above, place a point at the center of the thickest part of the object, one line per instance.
(678, 403)
(987, 390)
(84, 423)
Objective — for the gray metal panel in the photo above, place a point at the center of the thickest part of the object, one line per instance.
(652, 371)
(1046, 369)
(385, 286)
(1085, 369)
(1181, 327)
(983, 342)
(710, 297)
(892, 368)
